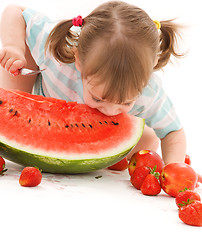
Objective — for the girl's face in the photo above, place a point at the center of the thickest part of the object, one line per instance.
(93, 98)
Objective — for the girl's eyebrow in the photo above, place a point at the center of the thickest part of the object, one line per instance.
(96, 97)
(129, 102)
(101, 99)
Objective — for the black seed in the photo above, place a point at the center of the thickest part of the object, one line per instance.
(29, 120)
(76, 125)
(72, 125)
(106, 122)
(100, 123)
(115, 123)
(83, 125)
(90, 126)
(49, 123)
(16, 112)
(11, 110)
(1, 102)
(66, 126)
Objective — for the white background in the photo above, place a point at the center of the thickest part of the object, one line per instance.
(81, 206)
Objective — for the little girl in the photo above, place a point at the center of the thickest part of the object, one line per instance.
(106, 60)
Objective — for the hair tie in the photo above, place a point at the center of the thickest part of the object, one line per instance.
(78, 21)
(158, 24)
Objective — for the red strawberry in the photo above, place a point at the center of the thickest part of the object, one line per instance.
(150, 186)
(120, 166)
(191, 214)
(187, 160)
(30, 177)
(186, 197)
(2, 166)
(139, 176)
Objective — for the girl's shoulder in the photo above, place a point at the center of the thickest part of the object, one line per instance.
(30, 13)
(37, 23)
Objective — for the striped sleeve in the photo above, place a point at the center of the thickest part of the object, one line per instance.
(38, 27)
(157, 109)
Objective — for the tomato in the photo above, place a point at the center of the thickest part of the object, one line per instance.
(177, 176)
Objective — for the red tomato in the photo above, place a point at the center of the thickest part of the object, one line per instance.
(145, 158)
(177, 176)
(120, 166)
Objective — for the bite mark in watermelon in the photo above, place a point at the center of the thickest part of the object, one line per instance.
(61, 137)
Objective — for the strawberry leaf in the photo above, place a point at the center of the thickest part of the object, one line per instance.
(185, 203)
(153, 172)
(185, 189)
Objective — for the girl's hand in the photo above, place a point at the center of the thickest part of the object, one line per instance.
(12, 58)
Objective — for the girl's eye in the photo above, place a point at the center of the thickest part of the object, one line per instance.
(127, 104)
(96, 100)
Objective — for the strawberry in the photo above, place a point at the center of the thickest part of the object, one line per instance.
(2, 166)
(140, 173)
(30, 177)
(187, 160)
(186, 197)
(191, 214)
(150, 186)
(120, 166)
(139, 176)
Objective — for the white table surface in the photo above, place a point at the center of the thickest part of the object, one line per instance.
(83, 207)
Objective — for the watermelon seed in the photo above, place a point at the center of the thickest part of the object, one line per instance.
(76, 125)
(106, 122)
(29, 121)
(72, 126)
(115, 123)
(49, 123)
(90, 126)
(83, 125)
(11, 110)
(66, 126)
(100, 123)
(15, 114)
(1, 102)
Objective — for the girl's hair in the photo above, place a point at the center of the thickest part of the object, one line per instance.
(119, 45)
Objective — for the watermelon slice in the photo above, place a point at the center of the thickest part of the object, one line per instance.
(61, 137)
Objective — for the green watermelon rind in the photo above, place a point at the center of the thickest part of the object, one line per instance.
(56, 165)
(59, 165)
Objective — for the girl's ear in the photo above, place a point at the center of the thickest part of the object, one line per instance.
(77, 61)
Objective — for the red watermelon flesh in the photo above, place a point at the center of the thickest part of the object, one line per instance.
(57, 129)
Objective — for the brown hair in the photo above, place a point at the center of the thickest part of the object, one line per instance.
(119, 43)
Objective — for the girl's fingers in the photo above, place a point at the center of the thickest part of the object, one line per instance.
(17, 64)
(2, 54)
(200, 178)
(4, 61)
(17, 72)
(9, 64)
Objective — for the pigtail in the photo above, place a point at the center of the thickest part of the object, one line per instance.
(60, 42)
(168, 42)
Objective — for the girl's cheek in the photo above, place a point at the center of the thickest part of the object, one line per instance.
(89, 102)
(127, 109)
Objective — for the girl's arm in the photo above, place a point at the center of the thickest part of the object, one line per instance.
(12, 34)
(173, 147)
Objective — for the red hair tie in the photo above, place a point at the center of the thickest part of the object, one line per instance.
(78, 21)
